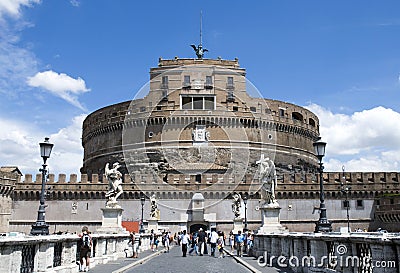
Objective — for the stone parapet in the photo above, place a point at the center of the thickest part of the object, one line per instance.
(330, 252)
(58, 253)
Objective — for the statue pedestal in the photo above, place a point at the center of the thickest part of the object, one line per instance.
(237, 225)
(270, 219)
(112, 221)
(152, 224)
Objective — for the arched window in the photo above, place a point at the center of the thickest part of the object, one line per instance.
(297, 116)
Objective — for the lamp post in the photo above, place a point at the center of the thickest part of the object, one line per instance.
(323, 225)
(245, 212)
(345, 189)
(142, 200)
(40, 227)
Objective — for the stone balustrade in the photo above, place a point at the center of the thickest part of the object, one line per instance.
(60, 253)
(315, 252)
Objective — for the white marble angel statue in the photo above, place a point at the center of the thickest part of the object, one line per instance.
(268, 178)
(236, 204)
(154, 211)
(114, 178)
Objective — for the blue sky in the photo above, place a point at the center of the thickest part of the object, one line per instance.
(60, 60)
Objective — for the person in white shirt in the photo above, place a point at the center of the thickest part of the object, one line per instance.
(185, 240)
(213, 241)
(166, 241)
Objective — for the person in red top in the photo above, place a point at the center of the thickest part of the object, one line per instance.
(86, 246)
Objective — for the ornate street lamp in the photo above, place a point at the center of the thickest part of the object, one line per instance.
(345, 189)
(245, 211)
(142, 200)
(40, 227)
(323, 225)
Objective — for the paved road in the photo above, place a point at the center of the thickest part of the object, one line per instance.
(149, 262)
(173, 262)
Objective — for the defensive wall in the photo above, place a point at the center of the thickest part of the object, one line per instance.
(74, 202)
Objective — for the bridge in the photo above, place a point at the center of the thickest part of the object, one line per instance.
(281, 252)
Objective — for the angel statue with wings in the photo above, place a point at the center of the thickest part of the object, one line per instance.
(114, 178)
(268, 178)
(236, 204)
(154, 211)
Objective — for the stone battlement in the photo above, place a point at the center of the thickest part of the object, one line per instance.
(329, 177)
(366, 185)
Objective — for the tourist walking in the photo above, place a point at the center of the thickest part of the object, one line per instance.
(213, 241)
(221, 244)
(201, 241)
(185, 240)
(135, 239)
(166, 238)
(232, 241)
(249, 241)
(86, 245)
(239, 244)
(194, 242)
(152, 240)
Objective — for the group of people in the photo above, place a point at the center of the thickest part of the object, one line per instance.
(243, 242)
(166, 240)
(196, 242)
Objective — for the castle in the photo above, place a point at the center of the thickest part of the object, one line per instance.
(191, 137)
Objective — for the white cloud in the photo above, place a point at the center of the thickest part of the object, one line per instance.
(19, 146)
(75, 3)
(60, 85)
(370, 137)
(13, 7)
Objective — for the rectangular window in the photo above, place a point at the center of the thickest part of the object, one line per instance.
(209, 103)
(230, 96)
(198, 103)
(253, 109)
(142, 109)
(187, 103)
(360, 204)
(281, 112)
(186, 81)
(198, 178)
(345, 204)
(208, 80)
(230, 87)
(164, 82)
(235, 108)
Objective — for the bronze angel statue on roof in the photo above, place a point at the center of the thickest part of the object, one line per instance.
(199, 51)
